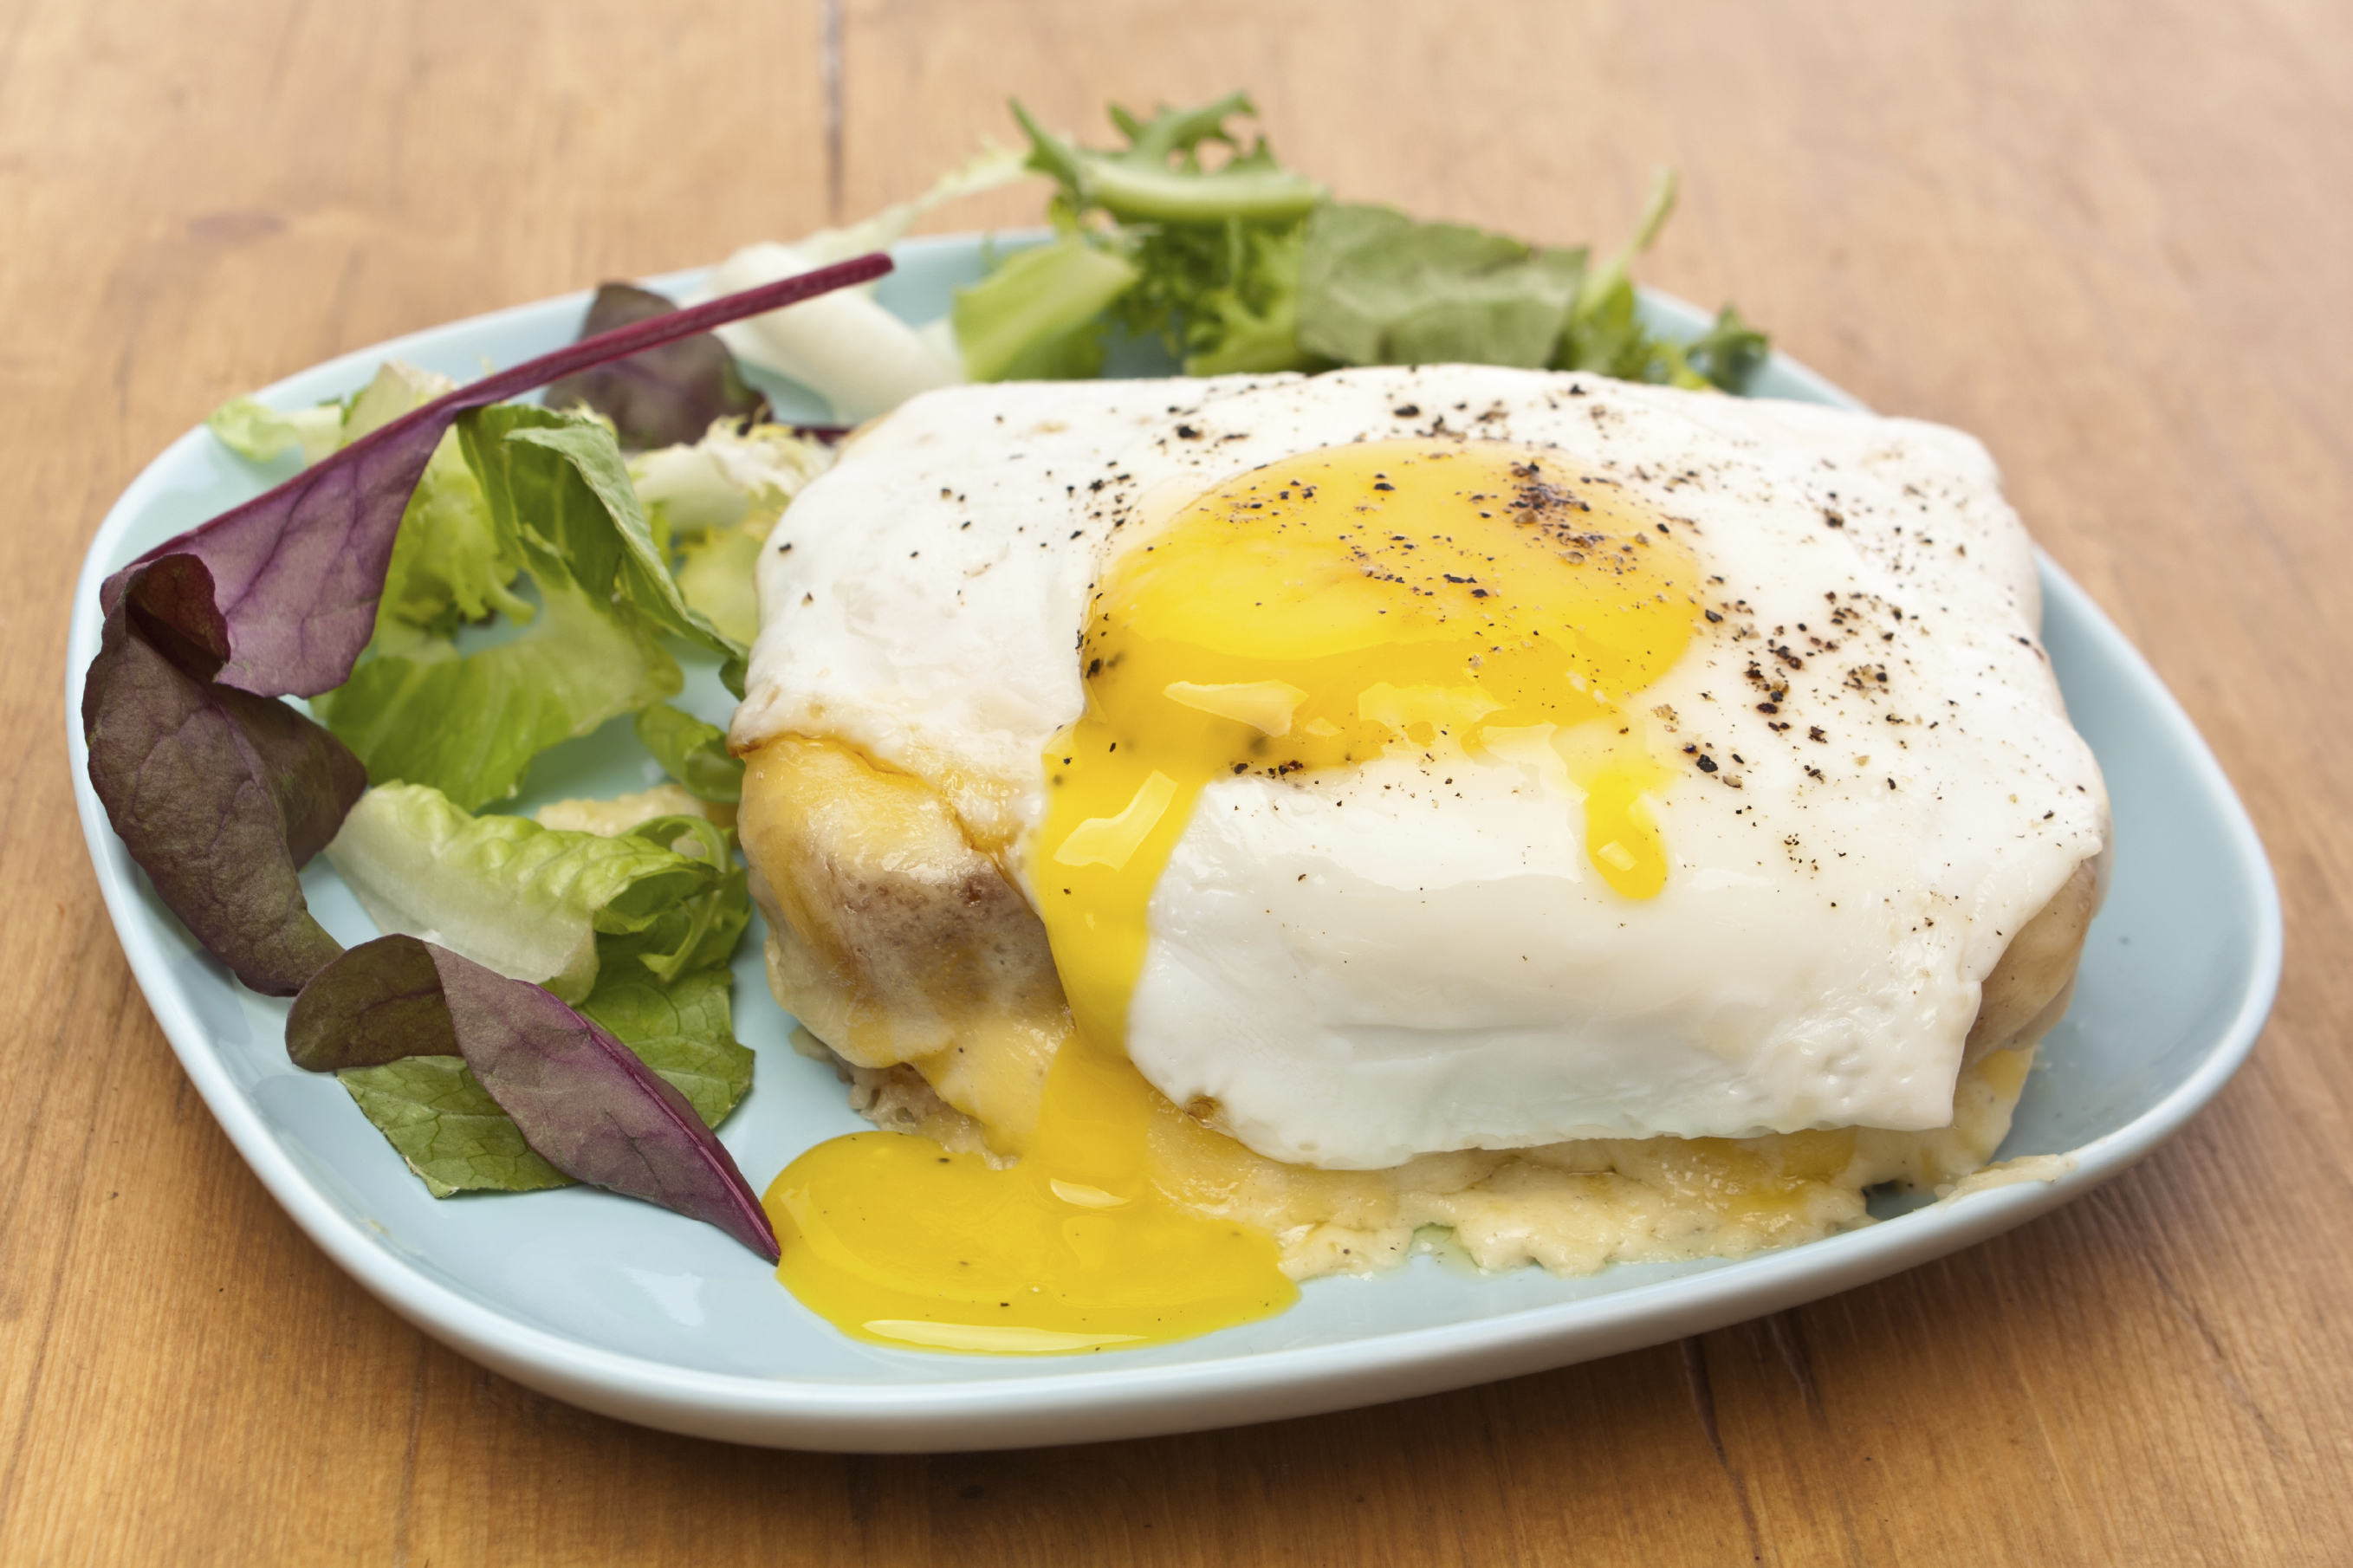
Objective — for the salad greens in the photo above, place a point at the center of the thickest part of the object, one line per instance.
(254, 430)
(221, 795)
(436, 1114)
(1159, 176)
(1210, 252)
(1243, 266)
(1036, 317)
(1380, 289)
(449, 562)
(446, 1127)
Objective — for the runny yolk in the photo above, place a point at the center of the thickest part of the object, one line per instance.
(1447, 603)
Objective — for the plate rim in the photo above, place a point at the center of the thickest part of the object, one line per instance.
(1066, 1402)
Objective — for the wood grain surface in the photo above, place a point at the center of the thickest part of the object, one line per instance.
(2113, 238)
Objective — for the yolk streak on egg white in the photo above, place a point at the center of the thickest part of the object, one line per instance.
(1413, 598)
(1444, 602)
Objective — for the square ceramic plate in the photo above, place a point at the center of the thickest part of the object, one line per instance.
(622, 1308)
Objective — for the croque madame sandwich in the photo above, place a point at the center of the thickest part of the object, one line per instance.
(1611, 822)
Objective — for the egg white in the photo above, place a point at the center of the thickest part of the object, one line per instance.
(1415, 955)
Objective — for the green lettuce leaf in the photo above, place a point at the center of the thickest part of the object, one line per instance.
(1380, 289)
(557, 485)
(539, 903)
(449, 563)
(468, 724)
(258, 433)
(691, 751)
(716, 572)
(699, 930)
(447, 1128)
(1038, 316)
(685, 1031)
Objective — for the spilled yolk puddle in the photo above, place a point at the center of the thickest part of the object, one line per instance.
(897, 1240)
(1424, 599)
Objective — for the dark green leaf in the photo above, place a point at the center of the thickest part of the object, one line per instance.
(1378, 289)
(447, 1128)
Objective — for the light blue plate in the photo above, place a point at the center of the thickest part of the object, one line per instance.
(625, 1308)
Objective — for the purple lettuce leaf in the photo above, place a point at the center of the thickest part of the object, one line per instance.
(381, 1002)
(662, 397)
(582, 1100)
(295, 574)
(220, 794)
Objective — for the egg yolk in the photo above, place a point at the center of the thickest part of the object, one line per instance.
(1438, 602)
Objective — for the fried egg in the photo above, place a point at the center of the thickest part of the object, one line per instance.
(1401, 762)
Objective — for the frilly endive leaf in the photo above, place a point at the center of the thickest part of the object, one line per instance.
(1159, 177)
(582, 1100)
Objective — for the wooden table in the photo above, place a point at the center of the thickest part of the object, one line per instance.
(2111, 238)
